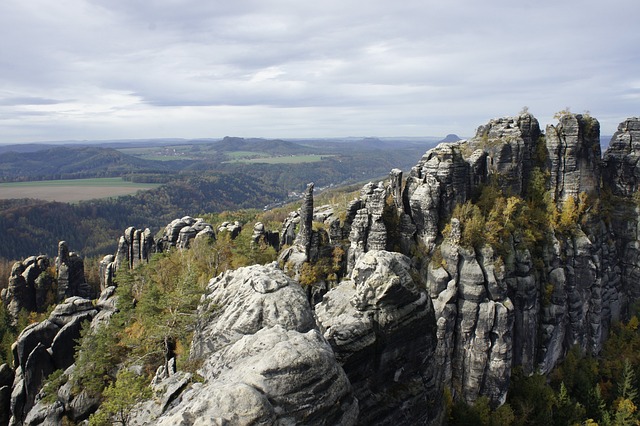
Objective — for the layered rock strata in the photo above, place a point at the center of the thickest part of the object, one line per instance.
(381, 326)
(37, 282)
(518, 308)
(43, 348)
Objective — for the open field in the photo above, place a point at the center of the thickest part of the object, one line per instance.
(71, 190)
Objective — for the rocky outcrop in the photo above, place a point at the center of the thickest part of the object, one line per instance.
(368, 230)
(21, 292)
(43, 348)
(439, 182)
(382, 328)
(509, 144)
(233, 228)
(37, 282)
(106, 271)
(298, 229)
(420, 308)
(517, 307)
(6, 383)
(621, 182)
(70, 275)
(264, 361)
(136, 246)
(475, 321)
(262, 236)
(303, 237)
(187, 229)
(574, 155)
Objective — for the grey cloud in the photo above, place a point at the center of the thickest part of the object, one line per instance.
(28, 100)
(423, 65)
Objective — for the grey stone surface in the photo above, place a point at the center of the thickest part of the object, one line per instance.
(263, 360)
(574, 155)
(509, 143)
(381, 325)
(246, 300)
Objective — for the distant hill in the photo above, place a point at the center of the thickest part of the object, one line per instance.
(25, 147)
(370, 143)
(271, 146)
(451, 138)
(70, 163)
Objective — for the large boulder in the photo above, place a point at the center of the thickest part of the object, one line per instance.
(263, 359)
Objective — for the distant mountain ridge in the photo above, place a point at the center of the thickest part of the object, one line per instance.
(69, 163)
(272, 146)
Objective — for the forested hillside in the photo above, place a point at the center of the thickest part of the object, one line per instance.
(75, 163)
(92, 227)
(190, 187)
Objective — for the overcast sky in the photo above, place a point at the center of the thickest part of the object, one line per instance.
(113, 69)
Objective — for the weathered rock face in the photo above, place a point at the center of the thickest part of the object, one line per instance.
(475, 322)
(510, 144)
(262, 236)
(264, 360)
(439, 182)
(303, 238)
(383, 342)
(367, 230)
(107, 271)
(381, 325)
(134, 247)
(43, 348)
(621, 171)
(70, 274)
(233, 228)
(302, 247)
(574, 156)
(20, 294)
(620, 177)
(6, 383)
(180, 232)
(32, 284)
(493, 311)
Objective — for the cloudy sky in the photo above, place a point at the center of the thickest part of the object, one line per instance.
(113, 69)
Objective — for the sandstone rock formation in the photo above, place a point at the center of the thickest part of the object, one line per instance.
(136, 246)
(574, 154)
(516, 307)
(234, 228)
(70, 274)
(264, 361)
(434, 186)
(420, 309)
(302, 238)
(382, 327)
(37, 282)
(509, 144)
(263, 236)
(43, 348)
(21, 292)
